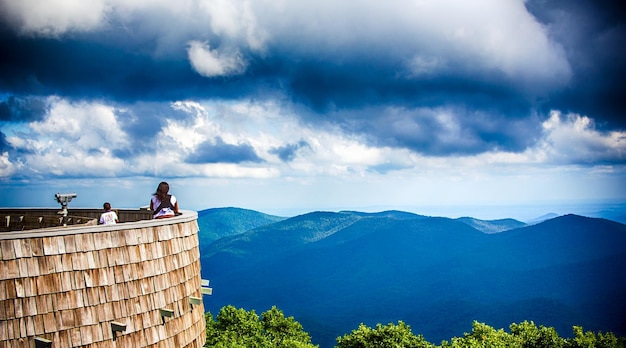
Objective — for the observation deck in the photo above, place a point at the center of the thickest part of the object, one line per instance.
(132, 284)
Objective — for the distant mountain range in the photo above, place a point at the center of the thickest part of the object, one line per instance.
(493, 226)
(334, 270)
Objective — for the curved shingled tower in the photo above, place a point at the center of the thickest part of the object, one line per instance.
(133, 284)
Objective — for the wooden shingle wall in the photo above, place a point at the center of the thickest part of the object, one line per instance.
(73, 289)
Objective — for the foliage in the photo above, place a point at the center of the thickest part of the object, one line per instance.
(522, 335)
(591, 340)
(483, 335)
(532, 336)
(390, 335)
(238, 328)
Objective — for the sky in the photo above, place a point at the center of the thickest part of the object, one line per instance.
(442, 107)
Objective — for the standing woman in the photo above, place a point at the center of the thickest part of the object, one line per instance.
(163, 204)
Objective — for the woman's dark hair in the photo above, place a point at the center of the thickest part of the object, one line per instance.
(106, 206)
(162, 189)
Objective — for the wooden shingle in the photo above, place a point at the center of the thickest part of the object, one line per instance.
(105, 259)
(8, 251)
(74, 337)
(49, 322)
(91, 260)
(38, 319)
(85, 242)
(3, 329)
(85, 335)
(17, 307)
(62, 302)
(33, 266)
(118, 239)
(3, 270)
(3, 290)
(60, 244)
(50, 246)
(17, 248)
(36, 246)
(10, 291)
(91, 297)
(66, 282)
(30, 326)
(70, 243)
(102, 240)
(67, 319)
(105, 328)
(44, 265)
(30, 306)
(11, 269)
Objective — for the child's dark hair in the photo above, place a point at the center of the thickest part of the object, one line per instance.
(106, 206)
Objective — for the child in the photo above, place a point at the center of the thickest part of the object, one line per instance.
(109, 216)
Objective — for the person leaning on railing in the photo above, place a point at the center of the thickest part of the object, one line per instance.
(162, 203)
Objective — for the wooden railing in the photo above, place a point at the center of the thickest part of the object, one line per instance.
(15, 219)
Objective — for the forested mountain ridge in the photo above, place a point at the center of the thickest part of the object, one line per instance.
(296, 231)
(492, 226)
(334, 270)
(216, 223)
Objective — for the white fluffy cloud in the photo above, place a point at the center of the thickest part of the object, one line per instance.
(574, 138)
(81, 138)
(6, 167)
(234, 19)
(55, 17)
(212, 62)
(85, 125)
(73, 139)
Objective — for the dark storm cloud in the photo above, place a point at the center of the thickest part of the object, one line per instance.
(370, 96)
(80, 68)
(592, 34)
(144, 121)
(449, 130)
(4, 145)
(105, 65)
(355, 80)
(108, 65)
(288, 152)
(221, 152)
(465, 106)
(22, 109)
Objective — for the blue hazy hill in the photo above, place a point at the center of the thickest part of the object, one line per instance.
(332, 271)
(216, 223)
(492, 226)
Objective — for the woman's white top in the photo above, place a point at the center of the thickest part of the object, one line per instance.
(167, 211)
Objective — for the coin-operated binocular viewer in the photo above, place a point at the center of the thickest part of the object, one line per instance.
(64, 199)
